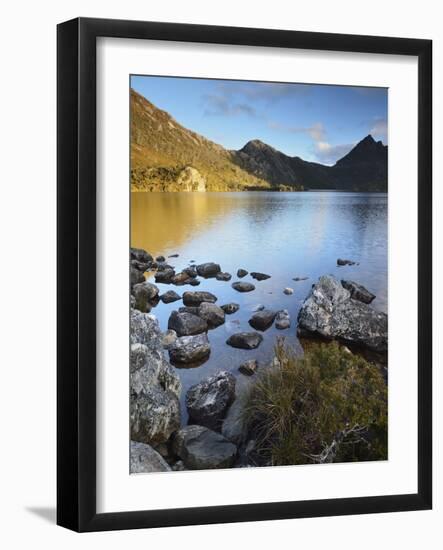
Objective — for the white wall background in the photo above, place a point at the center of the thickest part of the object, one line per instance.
(27, 289)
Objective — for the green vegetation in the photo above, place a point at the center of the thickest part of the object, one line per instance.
(327, 406)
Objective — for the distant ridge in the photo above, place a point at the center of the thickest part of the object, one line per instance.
(165, 156)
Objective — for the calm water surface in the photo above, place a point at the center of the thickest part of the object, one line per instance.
(285, 235)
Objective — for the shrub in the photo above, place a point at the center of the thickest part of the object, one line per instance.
(327, 406)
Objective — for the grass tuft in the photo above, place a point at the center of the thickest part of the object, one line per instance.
(327, 406)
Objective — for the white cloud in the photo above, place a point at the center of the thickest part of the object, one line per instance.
(379, 129)
(329, 154)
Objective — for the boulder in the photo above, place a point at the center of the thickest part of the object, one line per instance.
(188, 309)
(342, 262)
(288, 291)
(196, 298)
(329, 311)
(259, 276)
(141, 255)
(245, 340)
(144, 459)
(212, 314)
(243, 286)
(208, 400)
(191, 271)
(186, 324)
(263, 319)
(358, 292)
(146, 295)
(282, 319)
(164, 267)
(209, 269)
(241, 273)
(154, 385)
(201, 448)
(180, 279)
(193, 282)
(231, 308)
(248, 367)
(190, 349)
(164, 276)
(140, 265)
(169, 337)
(223, 276)
(160, 259)
(136, 276)
(234, 427)
(170, 296)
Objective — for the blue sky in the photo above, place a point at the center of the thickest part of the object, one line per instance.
(315, 122)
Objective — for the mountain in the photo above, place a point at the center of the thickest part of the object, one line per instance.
(165, 156)
(364, 168)
(265, 162)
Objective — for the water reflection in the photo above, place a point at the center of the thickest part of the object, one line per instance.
(284, 234)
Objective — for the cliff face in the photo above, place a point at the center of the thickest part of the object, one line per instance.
(165, 156)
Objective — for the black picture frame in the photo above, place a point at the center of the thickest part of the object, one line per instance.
(76, 280)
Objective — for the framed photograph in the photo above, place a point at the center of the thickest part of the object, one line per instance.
(244, 274)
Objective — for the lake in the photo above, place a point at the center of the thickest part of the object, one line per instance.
(285, 235)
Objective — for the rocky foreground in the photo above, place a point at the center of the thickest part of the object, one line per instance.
(217, 435)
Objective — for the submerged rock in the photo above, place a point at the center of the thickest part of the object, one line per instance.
(208, 400)
(231, 308)
(245, 340)
(223, 276)
(209, 269)
(248, 367)
(358, 292)
(259, 276)
(145, 459)
(342, 262)
(154, 385)
(241, 273)
(296, 279)
(212, 314)
(196, 298)
(186, 324)
(201, 448)
(170, 296)
(282, 319)
(146, 295)
(263, 319)
(330, 312)
(190, 349)
(243, 286)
